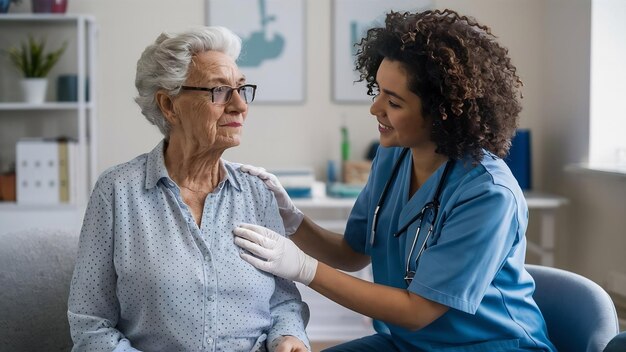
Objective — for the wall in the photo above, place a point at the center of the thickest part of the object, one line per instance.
(593, 239)
(549, 44)
(275, 135)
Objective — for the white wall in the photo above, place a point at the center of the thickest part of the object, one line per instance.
(518, 25)
(593, 236)
(549, 41)
(276, 135)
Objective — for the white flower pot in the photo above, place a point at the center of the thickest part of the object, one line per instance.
(34, 90)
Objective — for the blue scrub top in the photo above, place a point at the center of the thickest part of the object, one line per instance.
(473, 261)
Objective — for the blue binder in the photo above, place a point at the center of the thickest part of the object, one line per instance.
(519, 159)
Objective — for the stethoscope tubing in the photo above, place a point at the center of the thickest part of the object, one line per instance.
(381, 199)
(435, 203)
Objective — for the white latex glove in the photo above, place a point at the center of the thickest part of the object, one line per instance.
(292, 216)
(274, 253)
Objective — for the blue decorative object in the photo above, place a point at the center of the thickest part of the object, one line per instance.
(4, 5)
(67, 88)
(519, 159)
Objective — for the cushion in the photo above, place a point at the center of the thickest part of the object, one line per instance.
(36, 268)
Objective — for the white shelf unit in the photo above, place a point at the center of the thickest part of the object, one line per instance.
(77, 120)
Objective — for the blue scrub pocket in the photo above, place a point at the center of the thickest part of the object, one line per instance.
(510, 345)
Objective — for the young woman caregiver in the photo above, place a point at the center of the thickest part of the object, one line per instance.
(442, 219)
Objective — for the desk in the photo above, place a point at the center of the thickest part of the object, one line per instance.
(545, 204)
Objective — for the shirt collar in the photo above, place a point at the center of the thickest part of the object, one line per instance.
(156, 170)
(230, 171)
(155, 166)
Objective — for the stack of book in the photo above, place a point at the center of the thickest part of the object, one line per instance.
(298, 182)
(46, 171)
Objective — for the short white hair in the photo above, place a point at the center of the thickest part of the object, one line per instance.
(165, 64)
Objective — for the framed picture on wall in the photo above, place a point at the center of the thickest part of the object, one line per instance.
(273, 44)
(351, 20)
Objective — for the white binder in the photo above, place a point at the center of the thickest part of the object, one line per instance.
(37, 163)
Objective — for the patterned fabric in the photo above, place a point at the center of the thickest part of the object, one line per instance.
(148, 278)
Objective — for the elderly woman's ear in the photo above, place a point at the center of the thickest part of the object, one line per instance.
(164, 101)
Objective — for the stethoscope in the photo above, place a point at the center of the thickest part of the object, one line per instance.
(433, 204)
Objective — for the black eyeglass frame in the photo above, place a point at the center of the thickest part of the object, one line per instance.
(229, 94)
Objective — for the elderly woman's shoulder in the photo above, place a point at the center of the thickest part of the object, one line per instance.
(244, 179)
(129, 172)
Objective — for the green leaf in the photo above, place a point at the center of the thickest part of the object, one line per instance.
(26, 61)
(30, 57)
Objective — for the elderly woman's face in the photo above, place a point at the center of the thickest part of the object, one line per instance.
(204, 123)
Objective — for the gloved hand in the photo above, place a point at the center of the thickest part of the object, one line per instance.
(274, 253)
(292, 216)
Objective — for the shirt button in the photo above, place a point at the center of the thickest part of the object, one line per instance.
(207, 258)
(209, 340)
(211, 298)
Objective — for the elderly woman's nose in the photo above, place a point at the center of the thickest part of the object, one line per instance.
(237, 101)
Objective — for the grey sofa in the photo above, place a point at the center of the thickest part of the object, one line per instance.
(35, 272)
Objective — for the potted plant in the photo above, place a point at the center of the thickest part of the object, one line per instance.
(35, 65)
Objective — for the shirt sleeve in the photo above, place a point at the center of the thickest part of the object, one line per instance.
(289, 313)
(358, 230)
(477, 235)
(93, 309)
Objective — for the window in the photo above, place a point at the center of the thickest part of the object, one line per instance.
(607, 139)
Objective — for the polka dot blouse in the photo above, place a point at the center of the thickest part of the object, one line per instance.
(148, 278)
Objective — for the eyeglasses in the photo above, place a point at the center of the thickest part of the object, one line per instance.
(222, 94)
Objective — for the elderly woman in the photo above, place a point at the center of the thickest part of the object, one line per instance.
(157, 269)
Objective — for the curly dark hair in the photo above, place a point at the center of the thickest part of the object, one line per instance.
(465, 79)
